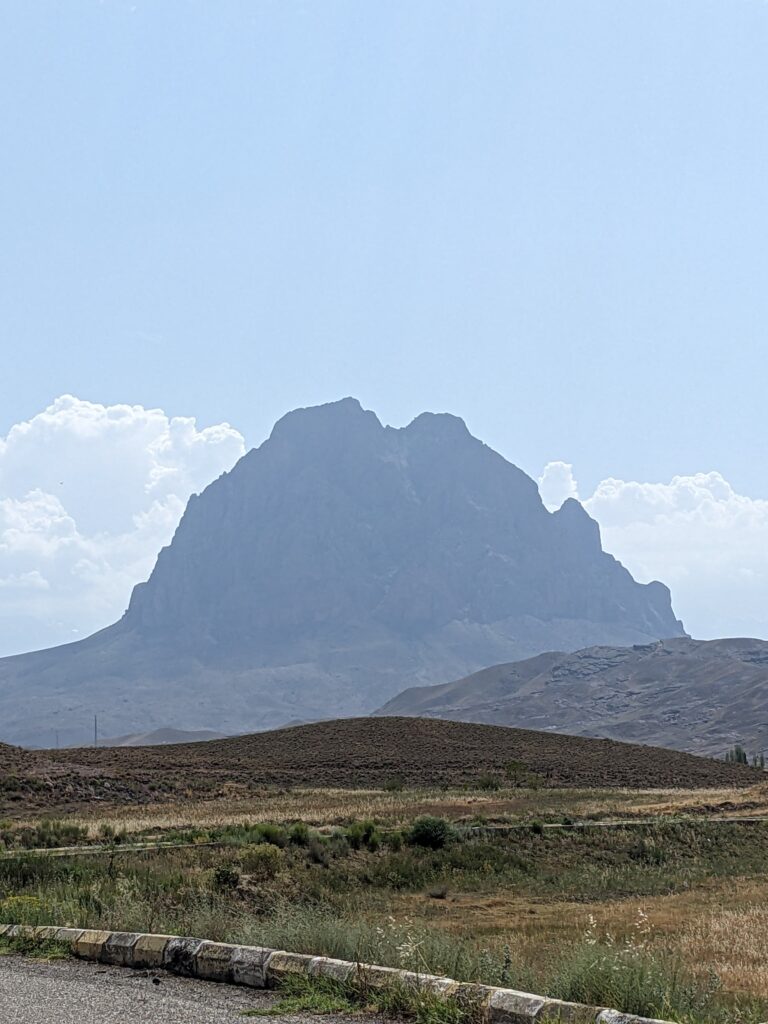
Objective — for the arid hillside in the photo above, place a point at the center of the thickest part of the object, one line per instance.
(704, 696)
(375, 751)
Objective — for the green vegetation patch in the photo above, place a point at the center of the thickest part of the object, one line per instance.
(342, 895)
(304, 994)
(38, 949)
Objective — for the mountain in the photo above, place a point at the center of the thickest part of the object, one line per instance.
(332, 567)
(703, 696)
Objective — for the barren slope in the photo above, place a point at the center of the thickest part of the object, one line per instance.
(696, 695)
(372, 751)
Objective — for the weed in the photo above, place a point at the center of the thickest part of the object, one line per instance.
(38, 949)
(301, 994)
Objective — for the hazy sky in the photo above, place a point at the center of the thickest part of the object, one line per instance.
(547, 217)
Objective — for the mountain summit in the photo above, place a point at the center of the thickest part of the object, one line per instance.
(337, 564)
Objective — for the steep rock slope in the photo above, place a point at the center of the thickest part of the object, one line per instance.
(334, 565)
(699, 695)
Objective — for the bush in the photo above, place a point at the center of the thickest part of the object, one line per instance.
(262, 862)
(298, 834)
(271, 834)
(431, 833)
(48, 834)
(363, 835)
(488, 782)
(394, 785)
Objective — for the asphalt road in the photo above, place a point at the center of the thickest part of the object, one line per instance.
(78, 992)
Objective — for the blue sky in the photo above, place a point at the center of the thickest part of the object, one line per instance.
(547, 216)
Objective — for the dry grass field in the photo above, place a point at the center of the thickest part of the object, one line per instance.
(327, 808)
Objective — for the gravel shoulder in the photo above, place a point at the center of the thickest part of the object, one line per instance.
(78, 992)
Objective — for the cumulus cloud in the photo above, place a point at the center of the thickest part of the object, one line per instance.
(556, 484)
(699, 536)
(88, 496)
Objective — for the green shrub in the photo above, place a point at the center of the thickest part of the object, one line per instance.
(273, 834)
(488, 782)
(431, 833)
(363, 835)
(299, 834)
(338, 845)
(48, 834)
(262, 861)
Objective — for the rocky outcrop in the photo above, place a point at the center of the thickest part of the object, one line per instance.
(334, 565)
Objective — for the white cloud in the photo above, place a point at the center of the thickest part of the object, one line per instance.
(556, 484)
(708, 543)
(88, 496)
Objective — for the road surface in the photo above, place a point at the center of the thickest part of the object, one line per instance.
(79, 992)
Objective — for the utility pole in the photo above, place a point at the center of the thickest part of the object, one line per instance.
(57, 739)
(95, 731)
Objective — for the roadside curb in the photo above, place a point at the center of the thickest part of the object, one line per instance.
(261, 967)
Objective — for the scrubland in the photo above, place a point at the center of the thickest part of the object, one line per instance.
(662, 913)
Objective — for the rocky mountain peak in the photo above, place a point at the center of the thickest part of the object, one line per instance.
(332, 422)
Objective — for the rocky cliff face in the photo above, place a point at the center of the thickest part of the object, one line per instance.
(334, 565)
(337, 523)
